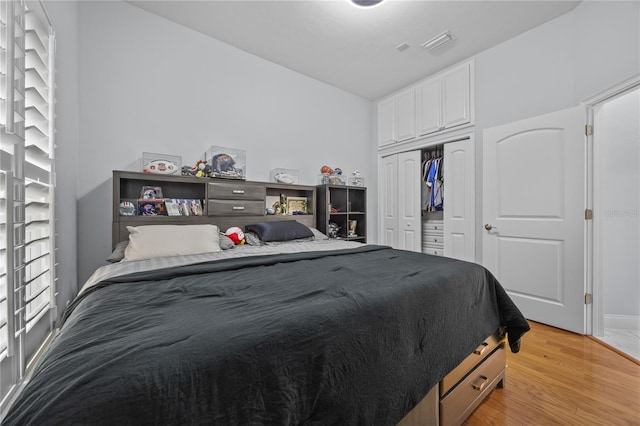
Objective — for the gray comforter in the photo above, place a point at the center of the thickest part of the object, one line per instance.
(317, 338)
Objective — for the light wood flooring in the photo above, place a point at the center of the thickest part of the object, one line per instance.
(562, 378)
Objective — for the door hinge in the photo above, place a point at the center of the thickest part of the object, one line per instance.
(588, 214)
(588, 129)
(588, 299)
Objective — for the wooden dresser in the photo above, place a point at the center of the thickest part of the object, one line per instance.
(460, 392)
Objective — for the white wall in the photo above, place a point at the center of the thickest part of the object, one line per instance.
(147, 84)
(554, 66)
(619, 190)
(64, 16)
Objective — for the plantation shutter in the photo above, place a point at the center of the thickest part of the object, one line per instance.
(27, 272)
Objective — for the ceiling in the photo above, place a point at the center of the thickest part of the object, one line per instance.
(354, 48)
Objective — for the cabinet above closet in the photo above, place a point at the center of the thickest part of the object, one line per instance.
(436, 104)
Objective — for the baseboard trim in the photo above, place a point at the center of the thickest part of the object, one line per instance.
(625, 322)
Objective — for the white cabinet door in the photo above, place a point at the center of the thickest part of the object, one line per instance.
(406, 118)
(459, 195)
(387, 122)
(409, 212)
(444, 101)
(456, 97)
(389, 199)
(429, 110)
(533, 211)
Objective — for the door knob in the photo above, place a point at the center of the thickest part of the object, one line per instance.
(489, 227)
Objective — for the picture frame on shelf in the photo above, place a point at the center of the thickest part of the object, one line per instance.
(297, 205)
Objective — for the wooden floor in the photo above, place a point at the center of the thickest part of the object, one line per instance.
(561, 378)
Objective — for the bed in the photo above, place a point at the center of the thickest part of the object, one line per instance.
(305, 331)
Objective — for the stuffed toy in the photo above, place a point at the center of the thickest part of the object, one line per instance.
(236, 235)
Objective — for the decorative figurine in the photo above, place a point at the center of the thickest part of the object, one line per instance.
(333, 230)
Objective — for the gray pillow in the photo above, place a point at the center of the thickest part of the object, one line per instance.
(226, 243)
(285, 230)
(318, 236)
(118, 252)
(252, 239)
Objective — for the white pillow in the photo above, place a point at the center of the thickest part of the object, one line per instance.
(148, 242)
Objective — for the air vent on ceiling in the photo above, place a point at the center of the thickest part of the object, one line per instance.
(402, 47)
(438, 41)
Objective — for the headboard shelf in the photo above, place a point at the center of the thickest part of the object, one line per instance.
(225, 202)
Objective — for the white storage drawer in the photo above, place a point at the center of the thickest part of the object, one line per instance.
(429, 239)
(433, 225)
(437, 251)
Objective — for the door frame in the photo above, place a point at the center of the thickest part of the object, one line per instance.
(593, 235)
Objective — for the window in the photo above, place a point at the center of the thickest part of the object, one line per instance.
(27, 263)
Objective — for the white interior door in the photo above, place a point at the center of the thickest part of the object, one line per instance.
(459, 195)
(409, 212)
(534, 215)
(389, 198)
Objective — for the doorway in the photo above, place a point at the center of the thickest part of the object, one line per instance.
(616, 220)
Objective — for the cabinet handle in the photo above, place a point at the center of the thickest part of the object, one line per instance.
(435, 240)
(480, 349)
(238, 191)
(480, 383)
(237, 208)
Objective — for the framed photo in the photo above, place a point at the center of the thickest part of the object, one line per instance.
(297, 205)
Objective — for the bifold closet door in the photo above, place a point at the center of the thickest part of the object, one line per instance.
(409, 214)
(400, 195)
(389, 199)
(459, 195)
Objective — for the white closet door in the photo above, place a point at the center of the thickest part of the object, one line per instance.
(459, 196)
(409, 214)
(389, 198)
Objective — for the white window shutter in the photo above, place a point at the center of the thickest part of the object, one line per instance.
(27, 260)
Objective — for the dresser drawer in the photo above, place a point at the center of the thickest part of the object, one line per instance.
(431, 249)
(235, 191)
(430, 239)
(478, 355)
(433, 225)
(235, 207)
(468, 394)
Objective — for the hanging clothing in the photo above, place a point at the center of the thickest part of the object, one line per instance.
(432, 192)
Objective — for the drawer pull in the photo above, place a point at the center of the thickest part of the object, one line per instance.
(238, 191)
(480, 349)
(237, 208)
(480, 383)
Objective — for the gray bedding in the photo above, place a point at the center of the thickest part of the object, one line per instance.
(318, 338)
